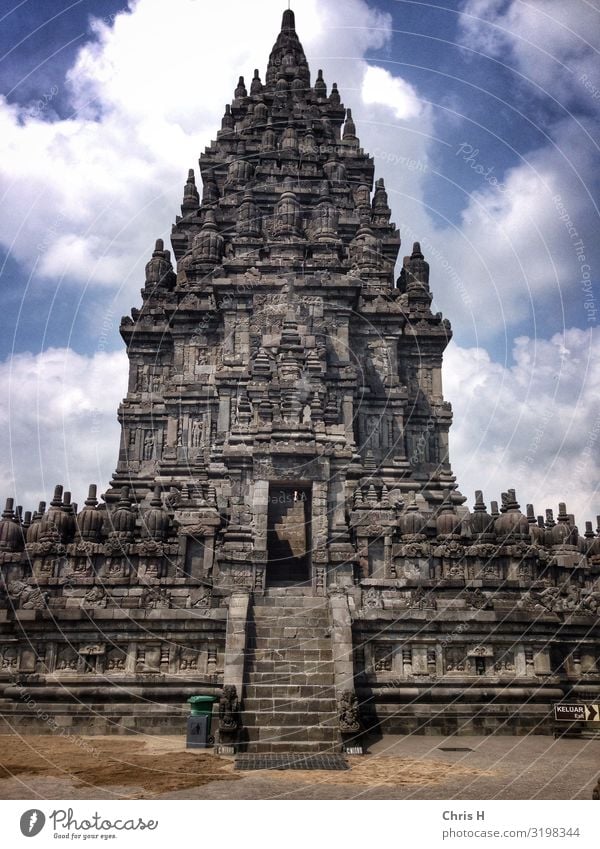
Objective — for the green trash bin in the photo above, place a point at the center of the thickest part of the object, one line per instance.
(202, 706)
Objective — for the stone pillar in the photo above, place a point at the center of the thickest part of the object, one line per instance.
(235, 641)
(343, 664)
(260, 509)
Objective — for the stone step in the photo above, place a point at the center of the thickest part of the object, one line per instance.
(313, 679)
(291, 602)
(295, 619)
(292, 734)
(287, 719)
(281, 643)
(295, 653)
(287, 667)
(282, 627)
(293, 748)
(289, 691)
(270, 705)
(294, 590)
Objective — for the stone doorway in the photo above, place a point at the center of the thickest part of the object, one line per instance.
(288, 534)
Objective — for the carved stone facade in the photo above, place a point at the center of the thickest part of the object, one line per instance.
(285, 437)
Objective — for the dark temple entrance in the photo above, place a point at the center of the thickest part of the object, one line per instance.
(288, 534)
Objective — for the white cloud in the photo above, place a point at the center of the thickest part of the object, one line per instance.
(393, 93)
(532, 425)
(519, 248)
(551, 42)
(59, 422)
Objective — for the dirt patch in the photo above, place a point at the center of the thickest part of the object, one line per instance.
(383, 771)
(149, 766)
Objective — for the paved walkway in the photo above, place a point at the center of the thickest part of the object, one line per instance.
(415, 768)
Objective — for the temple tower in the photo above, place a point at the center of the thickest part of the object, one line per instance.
(283, 530)
(281, 362)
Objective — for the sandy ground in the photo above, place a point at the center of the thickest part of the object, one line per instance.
(43, 767)
(103, 767)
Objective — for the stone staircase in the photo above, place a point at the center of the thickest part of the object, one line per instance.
(289, 697)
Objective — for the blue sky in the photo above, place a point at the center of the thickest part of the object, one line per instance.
(481, 114)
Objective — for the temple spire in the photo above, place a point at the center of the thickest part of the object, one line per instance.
(289, 20)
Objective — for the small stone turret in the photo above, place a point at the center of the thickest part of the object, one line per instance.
(415, 272)
(249, 223)
(208, 246)
(448, 523)
(91, 520)
(155, 520)
(56, 524)
(411, 522)
(511, 523)
(480, 520)
(349, 135)
(159, 271)
(120, 523)
(320, 87)
(11, 534)
(241, 90)
(288, 215)
(256, 86)
(33, 531)
(191, 198)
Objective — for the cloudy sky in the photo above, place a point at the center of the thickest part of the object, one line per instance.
(481, 114)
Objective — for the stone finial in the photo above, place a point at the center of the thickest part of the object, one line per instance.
(11, 533)
(191, 197)
(511, 502)
(91, 520)
(92, 500)
(241, 90)
(155, 520)
(269, 139)
(256, 86)
(210, 190)
(289, 139)
(320, 86)
(349, 127)
(550, 523)
(370, 464)
(494, 509)
(563, 516)
(334, 97)
(228, 122)
(289, 21)
(531, 514)
(208, 246)
(479, 506)
(9, 512)
(589, 531)
(57, 500)
(385, 496)
(415, 271)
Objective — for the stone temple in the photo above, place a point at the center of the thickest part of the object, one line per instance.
(283, 518)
